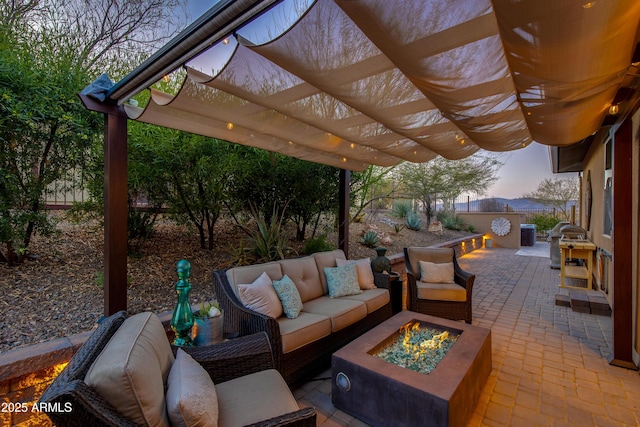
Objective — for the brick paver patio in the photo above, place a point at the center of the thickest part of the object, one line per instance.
(550, 364)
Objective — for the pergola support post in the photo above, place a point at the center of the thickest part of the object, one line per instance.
(622, 312)
(115, 214)
(343, 211)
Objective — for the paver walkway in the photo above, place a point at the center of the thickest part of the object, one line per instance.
(550, 364)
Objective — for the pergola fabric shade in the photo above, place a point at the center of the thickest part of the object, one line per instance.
(354, 83)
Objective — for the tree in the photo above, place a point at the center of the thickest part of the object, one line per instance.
(362, 184)
(557, 193)
(447, 179)
(49, 50)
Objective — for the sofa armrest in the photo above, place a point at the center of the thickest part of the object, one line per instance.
(305, 417)
(234, 358)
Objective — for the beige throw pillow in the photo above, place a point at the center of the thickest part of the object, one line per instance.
(191, 395)
(261, 296)
(431, 272)
(363, 267)
(132, 370)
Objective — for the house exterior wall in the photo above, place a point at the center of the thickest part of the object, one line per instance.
(594, 163)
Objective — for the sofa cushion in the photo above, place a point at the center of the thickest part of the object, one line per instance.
(342, 311)
(365, 274)
(191, 396)
(327, 259)
(373, 298)
(132, 370)
(304, 273)
(342, 280)
(304, 329)
(254, 397)
(441, 291)
(431, 272)
(261, 296)
(249, 273)
(289, 296)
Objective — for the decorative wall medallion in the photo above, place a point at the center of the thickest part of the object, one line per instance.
(501, 226)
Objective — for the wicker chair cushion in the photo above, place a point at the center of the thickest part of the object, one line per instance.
(431, 272)
(132, 370)
(441, 291)
(327, 259)
(191, 396)
(289, 296)
(253, 398)
(304, 329)
(304, 273)
(342, 311)
(261, 296)
(363, 267)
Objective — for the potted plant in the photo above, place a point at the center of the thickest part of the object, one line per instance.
(207, 326)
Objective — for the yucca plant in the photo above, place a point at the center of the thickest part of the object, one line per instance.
(370, 239)
(413, 222)
(401, 209)
(268, 242)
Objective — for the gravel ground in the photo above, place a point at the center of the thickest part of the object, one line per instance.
(58, 290)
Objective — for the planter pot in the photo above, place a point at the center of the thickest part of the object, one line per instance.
(207, 332)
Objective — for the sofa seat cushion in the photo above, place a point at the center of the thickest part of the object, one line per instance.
(132, 370)
(373, 298)
(254, 397)
(248, 274)
(441, 291)
(306, 328)
(304, 273)
(342, 312)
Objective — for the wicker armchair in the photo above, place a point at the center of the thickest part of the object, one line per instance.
(454, 308)
(223, 362)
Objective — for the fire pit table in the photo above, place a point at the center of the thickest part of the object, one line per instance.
(382, 393)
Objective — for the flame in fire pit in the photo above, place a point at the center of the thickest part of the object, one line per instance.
(418, 348)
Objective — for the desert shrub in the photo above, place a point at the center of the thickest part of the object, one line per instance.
(413, 221)
(543, 222)
(401, 209)
(370, 239)
(317, 244)
(451, 221)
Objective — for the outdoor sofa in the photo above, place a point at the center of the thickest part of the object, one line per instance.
(302, 346)
(127, 374)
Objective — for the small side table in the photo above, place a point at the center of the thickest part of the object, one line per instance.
(395, 292)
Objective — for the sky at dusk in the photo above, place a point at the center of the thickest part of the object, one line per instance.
(523, 169)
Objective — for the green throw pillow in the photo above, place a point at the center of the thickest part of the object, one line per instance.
(289, 296)
(342, 281)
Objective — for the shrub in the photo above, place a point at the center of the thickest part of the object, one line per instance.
(451, 221)
(370, 239)
(317, 244)
(543, 222)
(401, 209)
(413, 222)
(471, 228)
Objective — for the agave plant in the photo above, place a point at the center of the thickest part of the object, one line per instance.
(370, 239)
(413, 222)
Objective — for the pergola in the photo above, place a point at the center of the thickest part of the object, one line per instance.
(354, 83)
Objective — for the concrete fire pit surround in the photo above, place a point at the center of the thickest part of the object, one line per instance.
(383, 394)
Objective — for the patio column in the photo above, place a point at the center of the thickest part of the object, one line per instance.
(343, 212)
(115, 214)
(623, 249)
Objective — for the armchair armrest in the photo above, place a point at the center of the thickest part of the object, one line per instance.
(235, 358)
(305, 417)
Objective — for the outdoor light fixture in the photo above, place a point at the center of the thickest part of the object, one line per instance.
(229, 125)
(614, 109)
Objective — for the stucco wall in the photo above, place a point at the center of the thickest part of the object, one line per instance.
(481, 222)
